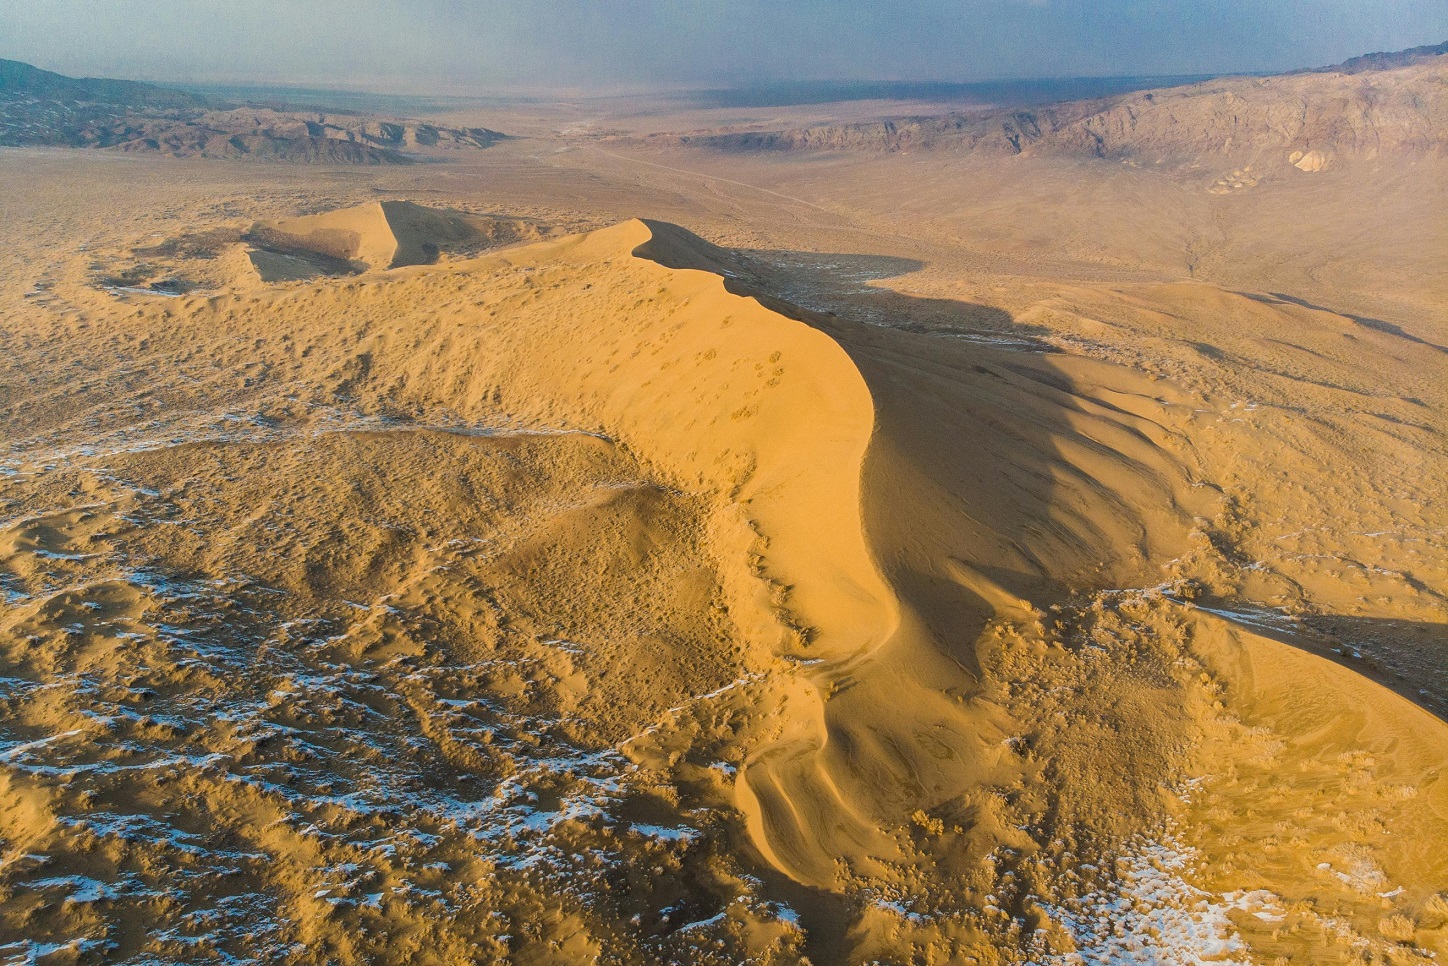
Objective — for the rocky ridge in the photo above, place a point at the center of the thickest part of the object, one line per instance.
(39, 108)
(1398, 105)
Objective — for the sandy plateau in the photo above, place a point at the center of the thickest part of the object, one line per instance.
(610, 549)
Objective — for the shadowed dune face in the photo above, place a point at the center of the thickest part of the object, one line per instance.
(387, 234)
(945, 645)
(1000, 487)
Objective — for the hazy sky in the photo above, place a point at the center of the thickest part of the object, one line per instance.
(477, 43)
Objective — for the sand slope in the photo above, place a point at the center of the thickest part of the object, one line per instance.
(671, 622)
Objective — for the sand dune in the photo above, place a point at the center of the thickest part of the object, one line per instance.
(668, 621)
(387, 234)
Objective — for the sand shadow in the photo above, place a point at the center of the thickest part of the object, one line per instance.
(1367, 322)
(1404, 656)
(1025, 493)
(971, 500)
(841, 284)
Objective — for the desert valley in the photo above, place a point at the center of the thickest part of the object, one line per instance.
(646, 529)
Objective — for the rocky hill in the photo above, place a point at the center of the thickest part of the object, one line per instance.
(1379, 104)
(40, 108)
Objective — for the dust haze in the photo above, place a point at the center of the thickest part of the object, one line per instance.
(533, 44)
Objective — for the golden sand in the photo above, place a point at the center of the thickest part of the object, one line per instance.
(584, 599)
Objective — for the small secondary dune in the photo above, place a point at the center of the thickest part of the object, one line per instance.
(383, 235)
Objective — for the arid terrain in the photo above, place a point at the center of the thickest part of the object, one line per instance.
(42, 108)
(727, 534)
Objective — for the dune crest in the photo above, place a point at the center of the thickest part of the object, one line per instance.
(772, 417)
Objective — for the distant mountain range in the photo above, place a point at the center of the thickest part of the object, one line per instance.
(40, 108)
(1378, 104)
(1369, 106)
(1386, 61)
(1016, 93)
(22, 81)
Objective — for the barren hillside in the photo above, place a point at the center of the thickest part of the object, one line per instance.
(1399, 108)
(45, 109)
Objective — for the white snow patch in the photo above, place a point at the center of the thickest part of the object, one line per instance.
(667, 834)
(1153, 915)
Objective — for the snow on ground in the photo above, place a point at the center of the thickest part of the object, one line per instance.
(1153, 915)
